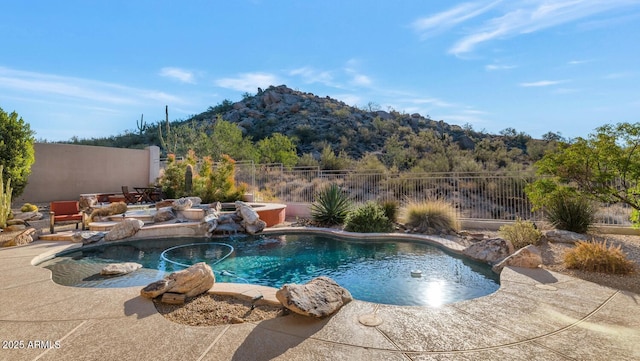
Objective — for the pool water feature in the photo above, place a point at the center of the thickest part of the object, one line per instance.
(374, 271)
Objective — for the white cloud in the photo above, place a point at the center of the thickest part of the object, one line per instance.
(621, 75)
(182, 75)
(310, 75)
(578, 62)
(496, 67)
(449, 18)
(248, 82)
(361, 80)
(542, 83)
(49, 85)
(512, 18)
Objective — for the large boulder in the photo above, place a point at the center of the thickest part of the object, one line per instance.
(192, 281)
(320, 297)
(124, 229)
(251, 221)
(248, 214)
(116, 269)
(526, 257)
(256, 227)
(490, 250)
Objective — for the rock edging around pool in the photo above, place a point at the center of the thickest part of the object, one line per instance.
(320, 297)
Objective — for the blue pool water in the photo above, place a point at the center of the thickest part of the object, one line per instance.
(375, 271)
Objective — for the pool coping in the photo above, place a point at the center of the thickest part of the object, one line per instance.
(536, 314)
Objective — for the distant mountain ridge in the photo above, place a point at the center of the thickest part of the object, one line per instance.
(316, 121)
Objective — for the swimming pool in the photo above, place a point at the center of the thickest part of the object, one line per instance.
(374, 271)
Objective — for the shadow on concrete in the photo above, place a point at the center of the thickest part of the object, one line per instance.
(139, 306)
(538, 274)
(273, 338)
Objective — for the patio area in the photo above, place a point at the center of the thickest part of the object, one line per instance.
(535, 315)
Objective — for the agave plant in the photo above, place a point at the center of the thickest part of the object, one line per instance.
(331, 206)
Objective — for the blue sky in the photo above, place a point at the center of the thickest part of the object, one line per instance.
(91, 68)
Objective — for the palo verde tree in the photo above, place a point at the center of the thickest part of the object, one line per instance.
(16, 150)
(605, 167)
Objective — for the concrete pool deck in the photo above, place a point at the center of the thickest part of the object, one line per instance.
(535, 315)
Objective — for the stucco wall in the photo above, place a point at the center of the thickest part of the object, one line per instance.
(63, 171)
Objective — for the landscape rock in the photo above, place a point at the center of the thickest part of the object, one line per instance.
(256, 227)
(250, 219)
(15, 227)
(526, 257)
(562, 236)
(163, 215)
(155, 289)
(120, 268)
(124, 229)
(248, 214)
(182, 204)
(25, 237)
(490, 250)
(192, 281)
(320, 297)
(28, 216)
(87, 237)
(16, 222)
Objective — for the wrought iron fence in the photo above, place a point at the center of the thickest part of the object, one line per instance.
(491, 196)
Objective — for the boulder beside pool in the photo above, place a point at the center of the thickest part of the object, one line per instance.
(319, 297)
(115, 269)
(192, 281)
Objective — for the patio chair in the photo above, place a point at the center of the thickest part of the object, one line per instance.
(64, 212)
(131, 197)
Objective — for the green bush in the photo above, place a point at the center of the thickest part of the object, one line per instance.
(597, 257)
(28, 207)
(331, 206)
(431, 217)
(390, 209)
(570, 212)
(368, 218)
(521, 233)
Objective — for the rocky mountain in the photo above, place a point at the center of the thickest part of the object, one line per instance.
(316, 121)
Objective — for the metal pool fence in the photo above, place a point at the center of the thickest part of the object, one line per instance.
(484, 196)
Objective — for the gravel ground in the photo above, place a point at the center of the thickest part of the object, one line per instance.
(211, 310)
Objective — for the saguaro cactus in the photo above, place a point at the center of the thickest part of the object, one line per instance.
(5, 199)
(188, 179)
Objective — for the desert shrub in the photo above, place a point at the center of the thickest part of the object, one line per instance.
(598, 257)
(520, 233)
(570, 212)
(430, 217)
(331, 206)
(217, 184)
(28, 207)
(110, 210)
(390, 209)
(368, 218)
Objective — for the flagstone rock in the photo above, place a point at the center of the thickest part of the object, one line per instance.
(320, 297)
(120, 268)
(562, 236)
